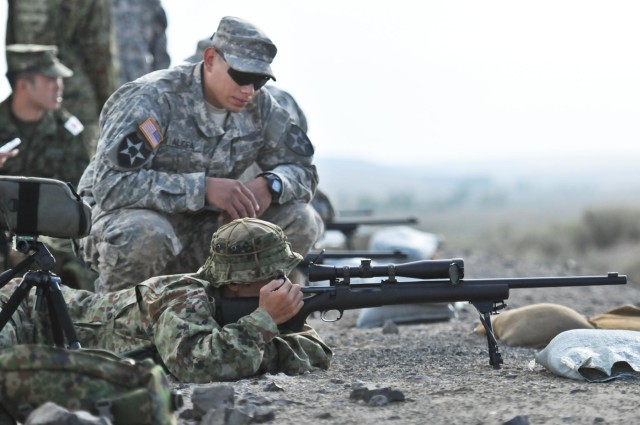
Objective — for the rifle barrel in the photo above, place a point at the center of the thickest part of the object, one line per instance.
(547, 282)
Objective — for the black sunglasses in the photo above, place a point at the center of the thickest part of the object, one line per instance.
(245, 78)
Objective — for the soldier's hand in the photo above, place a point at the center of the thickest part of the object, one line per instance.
(6, 155)
(258, 187)
(231, 196)
(281, 299)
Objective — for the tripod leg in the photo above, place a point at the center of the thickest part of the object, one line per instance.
(14, 302)
(56, 330)
(60, 308)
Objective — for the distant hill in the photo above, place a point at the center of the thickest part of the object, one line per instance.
(597, 180)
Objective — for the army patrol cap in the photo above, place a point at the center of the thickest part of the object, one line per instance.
(245, 47)
(35, 57)
(248, 250)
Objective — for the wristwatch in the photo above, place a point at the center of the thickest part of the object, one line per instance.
(274, 184)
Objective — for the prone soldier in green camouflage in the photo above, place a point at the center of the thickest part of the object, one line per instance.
(53, 142)
(173, 145)
(175, 314)
(81, 29)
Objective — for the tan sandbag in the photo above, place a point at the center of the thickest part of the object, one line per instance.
(535, 325)
(625, 317)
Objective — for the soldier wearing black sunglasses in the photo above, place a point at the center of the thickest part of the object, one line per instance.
(173, 145)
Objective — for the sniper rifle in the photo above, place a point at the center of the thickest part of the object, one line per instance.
(442, 281)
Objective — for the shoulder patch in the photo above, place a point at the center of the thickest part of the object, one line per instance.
(73, 125)
(132, 151)
(298, 141)
(151, 132)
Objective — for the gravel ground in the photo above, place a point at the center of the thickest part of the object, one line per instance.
(441, 370)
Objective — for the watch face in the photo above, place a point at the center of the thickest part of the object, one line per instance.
(276, 186)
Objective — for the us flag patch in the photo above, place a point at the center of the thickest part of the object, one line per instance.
(151, 132)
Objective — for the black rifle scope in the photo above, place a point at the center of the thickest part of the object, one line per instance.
(452, 269)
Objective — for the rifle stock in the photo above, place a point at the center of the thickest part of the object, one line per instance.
(487, 295)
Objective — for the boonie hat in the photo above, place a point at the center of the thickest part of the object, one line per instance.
(248, 250)
(245, 47)
(35, 57)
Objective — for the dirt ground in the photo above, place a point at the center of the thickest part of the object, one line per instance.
(442, 369)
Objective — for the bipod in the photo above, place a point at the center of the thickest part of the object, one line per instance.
(485, 308)
(48, 289)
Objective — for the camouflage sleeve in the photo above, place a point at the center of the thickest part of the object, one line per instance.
(288, 152)
(97, 40)
(196, 349)
(123, 176)
(296, 353)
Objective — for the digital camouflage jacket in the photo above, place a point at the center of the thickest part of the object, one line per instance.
(56, 149)
(158, 143)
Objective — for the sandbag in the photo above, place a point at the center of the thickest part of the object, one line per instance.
(416, 244)
(407, 314)
(595, 355)
(535, 325)
(626, 317)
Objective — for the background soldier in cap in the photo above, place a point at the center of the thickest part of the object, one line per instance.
(172, 147)
(175, 315)
(81, 29)
(53, 143)
(52, 139)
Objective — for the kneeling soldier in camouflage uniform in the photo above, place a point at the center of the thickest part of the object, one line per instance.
(173, 147)
(175, 314)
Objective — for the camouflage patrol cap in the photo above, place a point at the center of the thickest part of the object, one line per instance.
(245, 47)
(248, 250)
(35, 57)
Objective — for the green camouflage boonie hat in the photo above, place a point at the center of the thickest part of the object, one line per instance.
(35, 57)
(244, 46)
(248, 250)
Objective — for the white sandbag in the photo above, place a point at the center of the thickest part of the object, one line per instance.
(332, 239)
(595, 355)
(406, 314)
(418, 245)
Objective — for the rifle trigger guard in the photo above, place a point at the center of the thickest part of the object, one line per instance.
(325, 318)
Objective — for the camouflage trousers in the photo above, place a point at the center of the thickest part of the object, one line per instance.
(129, 246)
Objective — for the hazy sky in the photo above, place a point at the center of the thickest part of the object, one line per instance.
(406, 81)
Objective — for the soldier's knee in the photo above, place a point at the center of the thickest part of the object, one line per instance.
(309, 220)
(130, 246)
